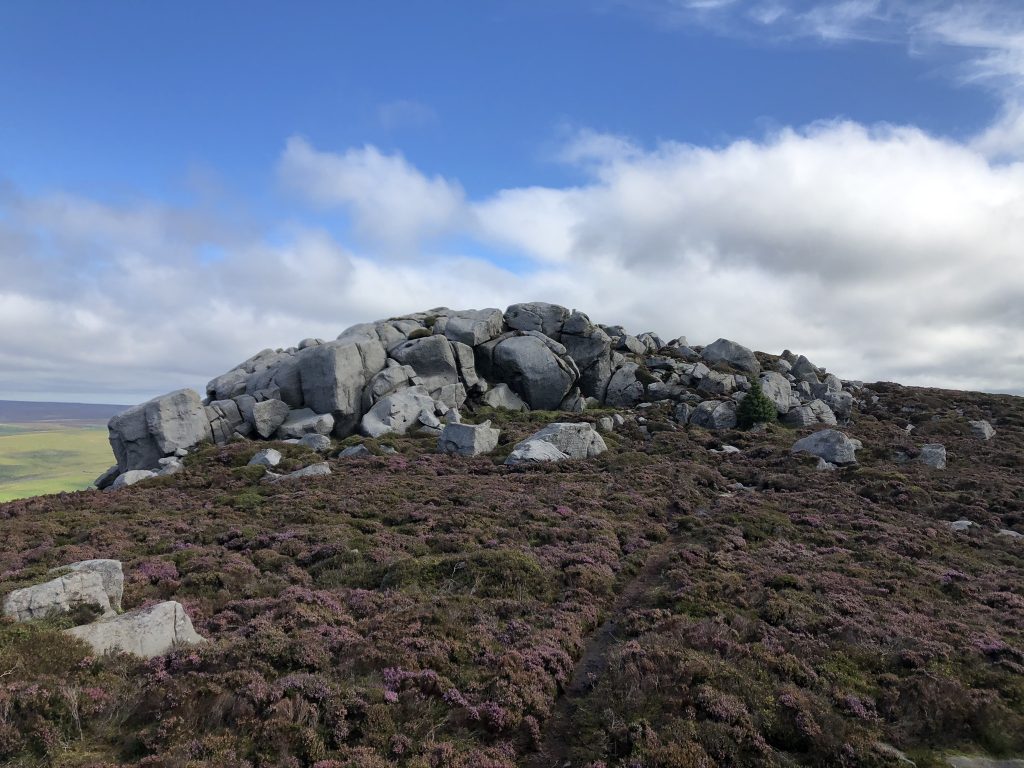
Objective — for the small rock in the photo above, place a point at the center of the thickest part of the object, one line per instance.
(573, 441)
(606, 424)
(107, 478)
(933, 455)
(318, 443)
(131, 477)
(88, 582)
(960, 526)
(468, 439)
(714, 414)
(268, 457)
(1009, 534)
(305, 421)
(355, 452)
(313, 470)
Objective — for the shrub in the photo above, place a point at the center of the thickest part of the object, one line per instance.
(755, 408)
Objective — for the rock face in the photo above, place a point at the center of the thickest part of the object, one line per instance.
(569, 441)
(98, 583)
(829, 444)
(468, 439)
(404, 373)
(146, 632)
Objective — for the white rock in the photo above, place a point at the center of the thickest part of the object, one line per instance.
(960, 526)
(933, 455)
(146, 632)
(131, 477)
(828, 444)
(318, 443)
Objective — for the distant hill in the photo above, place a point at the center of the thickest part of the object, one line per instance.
(18, 412)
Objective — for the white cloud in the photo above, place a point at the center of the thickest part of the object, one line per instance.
(392, 204)
(880, 252)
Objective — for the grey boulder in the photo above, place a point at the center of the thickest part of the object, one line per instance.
(933, 455)
(145, 433)
(146, 632)
(313, 470)
(266, 416)
(736, 355)
(468, 439)
(304, 421)
(538, 370)
(333, 376)
(268, 457)
(502, 396)
(829, 444)
(131, 477)
(396, 413)
(982, 430)
(777, 389)
(318, 443)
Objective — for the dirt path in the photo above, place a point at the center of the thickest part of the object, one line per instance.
(559, 730)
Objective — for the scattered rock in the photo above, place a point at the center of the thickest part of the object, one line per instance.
(606, 424)
(145, 632)
(501, 396)
(305, 421)
(736, 355)
(145, 433)
(355, 452)
(396, 413)
(714, 414)
(961, 526)
(982, 430)
(313, 470)
(468, 439)
(1009, 534)
(316, 442)
(107, 478)
(268, 457)
(131, 477)
(933, 455)
(829, 444)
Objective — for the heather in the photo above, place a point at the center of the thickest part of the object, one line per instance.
(659, 605)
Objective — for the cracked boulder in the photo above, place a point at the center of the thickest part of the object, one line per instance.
(145, 632)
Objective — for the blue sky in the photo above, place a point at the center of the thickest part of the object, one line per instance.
(468, 151)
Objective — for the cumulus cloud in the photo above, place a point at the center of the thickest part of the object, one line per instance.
(881, 252)
(366, 183)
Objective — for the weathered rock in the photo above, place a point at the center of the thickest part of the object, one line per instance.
(397, 412)
(170, 465)
(131, 477)
(145, 433)
(714, 414)
(736, 355)
(318, 443)
(933, 455)
(572, 440)
(501, 396)
(99, 583)
(606, 424)
(533, 451)
(982, 430)
(468, 439)
(536, 369)
(537, 316)
(305, 421)
(840, 403)
(333, 376)
(803, 370)
(266, 416)
(590, 348)
(683, 413)
(433, 360)
(715, 383)
(1007, 533)
(624, 389)
(829, 444)
(776, 388)
(962, 526)
(471, 327)
(814, 412)
(146, 632)
(268, 457)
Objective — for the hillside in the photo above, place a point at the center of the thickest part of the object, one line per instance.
(416, 609)
(695, 595)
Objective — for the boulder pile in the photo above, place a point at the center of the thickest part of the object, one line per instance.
(414, 373)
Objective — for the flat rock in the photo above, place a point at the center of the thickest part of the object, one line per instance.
(131, 477)
(145, 632)
(982, 430)
(305, 421)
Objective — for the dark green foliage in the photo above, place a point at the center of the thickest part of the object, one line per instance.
(755, 408)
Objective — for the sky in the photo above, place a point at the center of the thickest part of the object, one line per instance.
(184, 184)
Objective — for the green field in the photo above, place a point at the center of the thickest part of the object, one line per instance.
(49, 458)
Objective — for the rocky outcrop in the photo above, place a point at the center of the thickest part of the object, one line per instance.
(146, 632)
(403, 373)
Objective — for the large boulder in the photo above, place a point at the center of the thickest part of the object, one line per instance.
(468, 439)
(714, 414)
(933, 455)
(537, 316)
(736, 355)
(471, 327)
(501, 396)
(144, 434)
(982, 430)
(829, 444)
(396, 413)
(391, 379)
(814, 412)
(99, 583)
(333, 376)
(537, 369)
(146, 632)
(571, 440)
(624, 388)
(432, 358)
(265, 417)
(591, 350)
